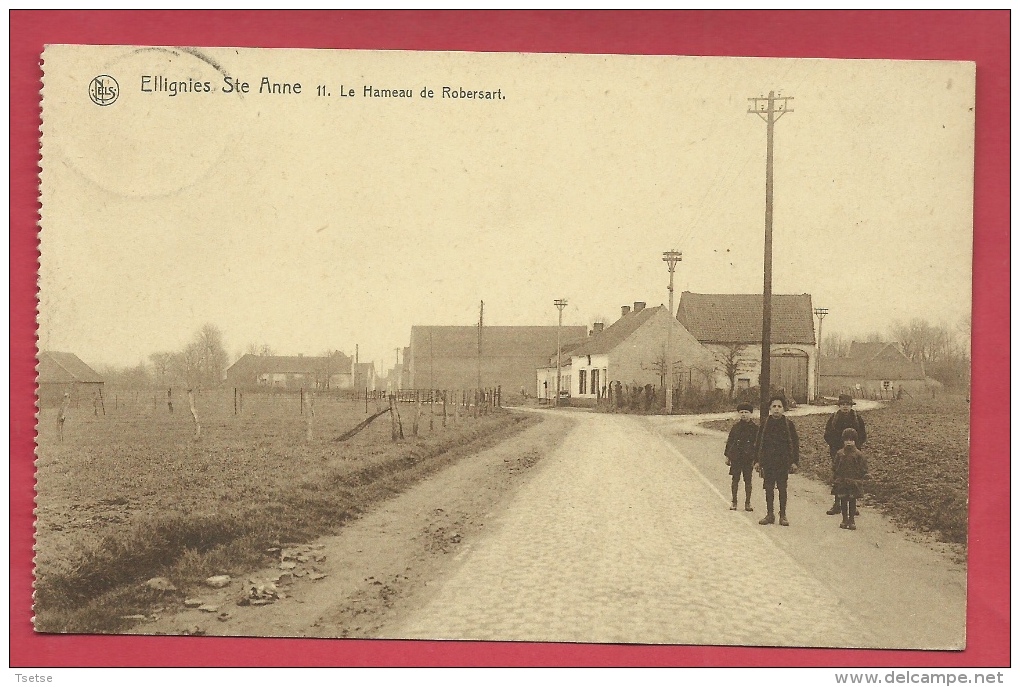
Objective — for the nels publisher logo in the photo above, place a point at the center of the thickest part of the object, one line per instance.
(104, 90)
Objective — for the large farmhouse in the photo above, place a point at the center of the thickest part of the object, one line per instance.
(871, 369)
(291, 372)
(631, 351)
(458, 358)
(61, 373)
(729, 325)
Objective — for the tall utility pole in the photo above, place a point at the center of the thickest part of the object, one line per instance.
(560, 303)
(671, 258)
(481, 313)
(820, 313)
(770, 109)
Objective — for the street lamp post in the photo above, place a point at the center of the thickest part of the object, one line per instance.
(671, 258)
(820, 313)
(560, 303)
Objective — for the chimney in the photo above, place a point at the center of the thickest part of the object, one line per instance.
(624, 311)
(599, 326)
(638, 306)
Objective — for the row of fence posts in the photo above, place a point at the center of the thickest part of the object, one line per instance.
(477, 401)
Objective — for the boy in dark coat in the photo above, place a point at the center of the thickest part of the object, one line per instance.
(777, 454)
(740, 453)
(849, 472)
(844, 418)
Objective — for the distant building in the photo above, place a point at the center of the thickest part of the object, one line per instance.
(631, 351)
(871, 369)
(730, 324)
(450, 358)
(364, 376)
(61, 373)
(291, 372)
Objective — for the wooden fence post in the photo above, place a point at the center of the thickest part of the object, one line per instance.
(417, 415)
(302, 390)
(444, 407)
(62, 416)
(432, 410)
(311, 414)
(170, 400)
(194, 414)
(235, 400)
(393, 419)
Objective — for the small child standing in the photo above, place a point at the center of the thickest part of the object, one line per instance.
(850, 470)
(740, 453)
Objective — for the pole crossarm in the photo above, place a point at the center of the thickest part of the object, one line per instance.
(769, 109)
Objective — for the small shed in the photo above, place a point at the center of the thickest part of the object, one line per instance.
(61, 373)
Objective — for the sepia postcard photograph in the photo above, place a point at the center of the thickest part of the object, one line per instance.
(513, 347)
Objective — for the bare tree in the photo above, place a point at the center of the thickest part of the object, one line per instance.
(162, 367)
(835, 345)
(729, 359)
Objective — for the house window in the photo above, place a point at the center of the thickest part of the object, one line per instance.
(581, 382)
(887, 385)
(744, 383)
(594, 381)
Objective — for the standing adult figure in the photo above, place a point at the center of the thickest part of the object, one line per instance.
(844, 418)
(777, 455)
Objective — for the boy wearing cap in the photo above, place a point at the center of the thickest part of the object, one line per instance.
(777, 454)
(740, 453)
(844, 418)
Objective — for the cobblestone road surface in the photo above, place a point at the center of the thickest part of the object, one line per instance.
(618, 538)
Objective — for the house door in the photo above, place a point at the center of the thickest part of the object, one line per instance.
(790, 372)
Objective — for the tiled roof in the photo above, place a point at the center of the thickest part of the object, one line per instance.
(613, 335)
(866, 350)
(891, 367)
(55, 366)
(736, 317)
(507, 342)
(292, 364)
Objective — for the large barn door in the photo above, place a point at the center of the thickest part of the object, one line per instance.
(790, 372)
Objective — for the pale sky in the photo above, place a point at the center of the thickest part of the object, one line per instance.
(312, 223)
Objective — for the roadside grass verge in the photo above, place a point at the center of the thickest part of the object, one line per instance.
(918, 457)
(153, 505)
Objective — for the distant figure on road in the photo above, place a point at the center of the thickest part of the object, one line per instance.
(850, 470)
(740, 453)
(844, 418)
(777, 454)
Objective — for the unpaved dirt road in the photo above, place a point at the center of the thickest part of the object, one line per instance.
(620, 533)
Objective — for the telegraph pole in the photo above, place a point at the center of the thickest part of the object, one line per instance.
(481, 313)
(560, 303)
(770, 109)
(671, 258)
(820, 313)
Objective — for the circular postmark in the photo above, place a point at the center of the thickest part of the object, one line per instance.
(104, 90)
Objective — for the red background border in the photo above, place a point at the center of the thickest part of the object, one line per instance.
(979, 36)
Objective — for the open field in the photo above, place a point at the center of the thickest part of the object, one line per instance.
(918, 459)
(132, 494)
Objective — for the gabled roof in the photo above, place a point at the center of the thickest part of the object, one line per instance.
(292, 364)
(505, 342)
(58, 367)
(872, 360)
(736, 317)
(613, 335)
(866, 350)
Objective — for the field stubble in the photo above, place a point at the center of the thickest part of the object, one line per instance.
(131, 494)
